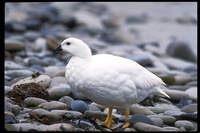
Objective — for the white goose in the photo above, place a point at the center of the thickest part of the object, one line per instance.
(107, 79)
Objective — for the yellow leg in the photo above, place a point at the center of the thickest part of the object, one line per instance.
(108, 120)
(126, 113)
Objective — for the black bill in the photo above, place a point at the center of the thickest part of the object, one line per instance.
(58, 48)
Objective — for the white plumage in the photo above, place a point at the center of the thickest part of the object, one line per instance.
(107, 79)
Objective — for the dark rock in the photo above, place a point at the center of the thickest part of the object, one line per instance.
(32, 24)
(9, 120)
(181, 50)
(189, 116)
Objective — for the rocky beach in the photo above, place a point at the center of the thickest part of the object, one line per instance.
(160, 36)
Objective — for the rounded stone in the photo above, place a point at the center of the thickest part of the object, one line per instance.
(190, 108)
(147, 127)
(18, 73)
(60, 127)
(52, 105)
(44, 113)
(33, 101)
(141, 118)
(74, 114)
(66, 99)
(13, 45)
(29, 126)
(78, 105)
(15, 109)
(169, 120)
(136, 109)
(59, 91)
(192, 92)
(184, 123)
(157, 121)
(43, 80)
(37, 67)
(54, 71)
(10, 65)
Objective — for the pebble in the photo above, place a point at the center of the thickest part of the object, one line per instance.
(190, 108)
(184, 123)
(66, 99)
(137, 109)
(52, 105)
(29, 126)
(78, 105)
(174, 113)
(18, 73)
(141, 118)
(147, 127)
(169, 120)
(14, 45)
(189, 116)
(160, 108)
(157, 121)
(44, 113)
(33, 101)
(173, 129)
(56, 92)
(74, 114)
(43, 80)
(175, 95)
(15, 109)
(54, 71)
(181, 50)
(192, 92)
(37, 67)
(10, 65)
(59, 127)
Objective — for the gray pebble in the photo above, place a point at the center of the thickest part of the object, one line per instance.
(93, 108)
(190, 108)
(66, 99)
(10, 65)
(33, 101)
(175, 113)
(59, 127)
(18, 73)
(50, 116)
(170, 128)
(192, 92)
(14, 45)
(137, 109)
(74, 114)
(29, 126)
(43, 80)
(141, 118)
(58, 80)
(77, 95)
(78, 105)
(32, 35)
(147, 127)
(181, 50)
(157, 121)
(15, 109)
(54, 71)
(160, 108)
(35, 60)
(176, 95)
(56, 92)
(184, 123)
(52, 105)
(169, 120)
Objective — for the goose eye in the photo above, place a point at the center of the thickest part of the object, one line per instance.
(68, 43)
